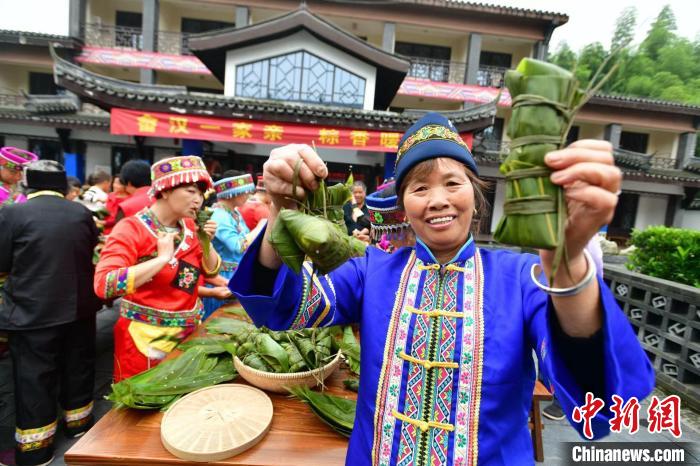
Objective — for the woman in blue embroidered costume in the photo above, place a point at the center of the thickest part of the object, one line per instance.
(231, 234)
(448, 329)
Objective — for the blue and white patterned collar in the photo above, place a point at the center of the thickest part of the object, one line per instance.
(424, 253)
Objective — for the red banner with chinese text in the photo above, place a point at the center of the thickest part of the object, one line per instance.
(168, 125)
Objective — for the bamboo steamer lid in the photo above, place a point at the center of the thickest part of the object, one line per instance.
(217, 422)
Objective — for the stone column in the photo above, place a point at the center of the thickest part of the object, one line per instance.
(76, 18)
(539, 50)
(389, 37)
(242, 16)
(612, 134)
(686, 148)
(473, 57)
(149, 30)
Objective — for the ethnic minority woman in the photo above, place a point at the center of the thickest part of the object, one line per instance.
(389, 229)
(155, 261)
(447, 328)
(12, 160)
(230, 240)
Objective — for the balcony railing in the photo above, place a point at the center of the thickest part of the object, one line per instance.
(437, 70)
(447, 71)
(99, 35)
(491, 76)
(108, 36)
(173, 43)
(663, 161)
(644, 162)
(12, 100)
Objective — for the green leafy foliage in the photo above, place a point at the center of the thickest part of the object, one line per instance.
(161, 386)
(668, 253)
(337, 412)
(664, 66)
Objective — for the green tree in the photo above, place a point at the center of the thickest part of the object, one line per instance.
(678, 57)
(564, 57)
(661, 32)
(624, 28)
(664, 66)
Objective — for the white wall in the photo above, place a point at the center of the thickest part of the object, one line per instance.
(651, 210)
(302, 40)
(98, 156)
(688, 219)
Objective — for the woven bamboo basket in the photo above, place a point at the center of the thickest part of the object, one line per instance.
(278, 383)
(215, 423)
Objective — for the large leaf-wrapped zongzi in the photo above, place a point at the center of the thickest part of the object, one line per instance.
(544, 97)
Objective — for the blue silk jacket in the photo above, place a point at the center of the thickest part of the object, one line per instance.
(447, 372)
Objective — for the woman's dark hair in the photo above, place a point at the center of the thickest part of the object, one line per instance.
(98, 177)
(135, 172)
(74, 182)
(423, 169)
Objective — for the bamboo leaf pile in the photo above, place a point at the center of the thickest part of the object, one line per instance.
(337, 412)
(159, 387)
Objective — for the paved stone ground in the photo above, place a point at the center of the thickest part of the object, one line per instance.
(555, 432)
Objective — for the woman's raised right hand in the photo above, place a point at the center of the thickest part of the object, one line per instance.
(278, 173)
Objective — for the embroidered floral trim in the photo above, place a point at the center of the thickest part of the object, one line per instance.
(31, 446)
(25, 436)
(313, 297)
(78, 413)
(427, 133)
(119, 282)
(227, 266)
(160, 317)
(453, 374)
(232, 187)
(466, 448)
(392, 367)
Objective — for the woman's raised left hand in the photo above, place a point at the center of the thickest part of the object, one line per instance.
(591, 181)
(210, 228)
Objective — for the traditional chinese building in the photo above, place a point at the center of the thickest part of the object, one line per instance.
(231, 80)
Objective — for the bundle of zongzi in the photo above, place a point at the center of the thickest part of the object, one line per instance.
(316, 230)
(545, 99)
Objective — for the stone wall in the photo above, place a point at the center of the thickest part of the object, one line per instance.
(666, 317)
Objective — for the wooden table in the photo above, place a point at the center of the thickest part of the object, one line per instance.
(535, 424)
(131, 437)
(296, 436)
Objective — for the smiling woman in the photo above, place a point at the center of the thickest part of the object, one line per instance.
(461, 196)
(155, 261)
(447, 328)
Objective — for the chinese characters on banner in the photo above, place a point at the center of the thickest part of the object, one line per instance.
(662, 414)
(165, 125)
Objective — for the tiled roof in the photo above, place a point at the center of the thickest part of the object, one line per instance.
(75, 120)
(61, 103)
(559, 18)
(643, 103)
(108, 92)
(35, 38)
